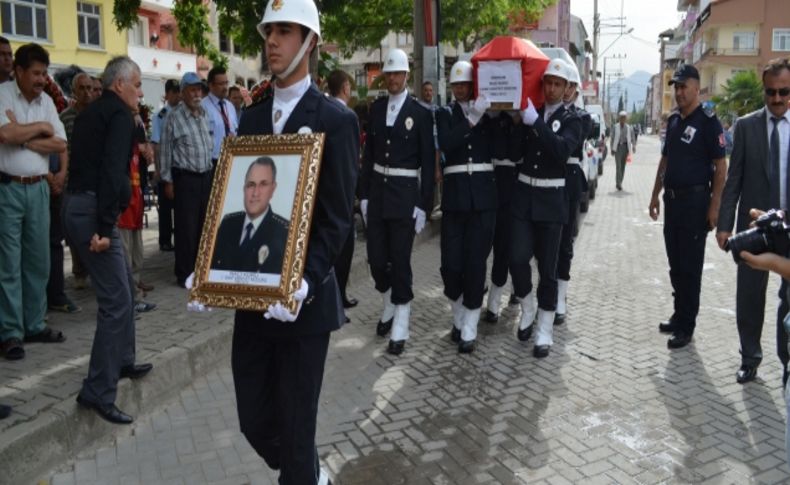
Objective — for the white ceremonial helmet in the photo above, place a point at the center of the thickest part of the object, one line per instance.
(397, 61)
(558, 68)
(302, 12)
(461, 72)
(573, 74)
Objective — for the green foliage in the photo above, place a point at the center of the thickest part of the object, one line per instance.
(326, 64)
(125, 13)
(743, 93)
(193, 29)
(637, 117)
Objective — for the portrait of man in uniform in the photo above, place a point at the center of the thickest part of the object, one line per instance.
(253, 240)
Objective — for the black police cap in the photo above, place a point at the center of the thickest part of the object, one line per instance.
(683, 73)
(172, 85)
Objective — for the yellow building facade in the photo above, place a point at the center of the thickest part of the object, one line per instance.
(73, 31)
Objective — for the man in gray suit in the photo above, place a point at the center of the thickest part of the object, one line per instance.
(759, 161)
(622, 146)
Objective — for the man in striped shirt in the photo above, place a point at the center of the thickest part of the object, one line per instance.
(185, 150)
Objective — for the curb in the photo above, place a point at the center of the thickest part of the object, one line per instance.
(32, 449)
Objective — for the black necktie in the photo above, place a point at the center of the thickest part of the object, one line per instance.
(248, 235)
(224, 116)
(774, 158)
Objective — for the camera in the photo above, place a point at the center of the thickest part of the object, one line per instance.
(769, 234)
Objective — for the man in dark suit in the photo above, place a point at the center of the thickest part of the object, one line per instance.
(396, 193)
(278, 356)
(755, 166)
(253, 240)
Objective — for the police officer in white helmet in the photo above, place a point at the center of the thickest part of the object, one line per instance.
(278, 356)
(469, 203)
(396, 193)
(540, 205)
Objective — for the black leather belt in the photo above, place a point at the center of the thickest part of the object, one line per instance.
(683, 191)
(81, 192)
(24, 180)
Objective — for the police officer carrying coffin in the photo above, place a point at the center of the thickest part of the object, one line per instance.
(540, 204)
(691, 172)
(506, 147)
(278, 357)
(469, 203)
(396, 193)
(575, 185)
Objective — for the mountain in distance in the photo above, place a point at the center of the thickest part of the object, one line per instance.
(634, 85)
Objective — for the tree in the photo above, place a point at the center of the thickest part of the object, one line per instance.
(352, 24)
(743, 93)
(620, 104)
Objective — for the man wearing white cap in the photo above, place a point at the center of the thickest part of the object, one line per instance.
(540, 204)
(278, 356)
(396, 193)
(469, 203)
(622, 146)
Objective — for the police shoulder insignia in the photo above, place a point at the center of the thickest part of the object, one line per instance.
(555, 126)
(409, 123)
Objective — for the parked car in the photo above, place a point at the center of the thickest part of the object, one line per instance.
(597, 111)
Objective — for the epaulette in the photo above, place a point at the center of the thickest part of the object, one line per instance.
(234, 215)
(162, 113)
(280, 220)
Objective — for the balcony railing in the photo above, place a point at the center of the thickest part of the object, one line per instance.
(741, 52)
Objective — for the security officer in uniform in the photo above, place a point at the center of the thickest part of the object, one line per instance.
(540, 204)
(278, 356)
(575, 185)
(165, 205)
(469, 203)
(506, 148)
(691, 172)
(396, 193)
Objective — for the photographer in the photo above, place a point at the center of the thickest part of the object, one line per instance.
(757, 178)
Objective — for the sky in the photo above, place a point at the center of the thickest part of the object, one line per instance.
(647, 17)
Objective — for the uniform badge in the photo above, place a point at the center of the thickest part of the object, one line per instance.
(555, 126)
(409, 123)
(305, 130)
(277, 5)
(688, 134)
(263, 254)
(277, 115)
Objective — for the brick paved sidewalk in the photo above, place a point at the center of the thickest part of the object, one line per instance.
(610, 405)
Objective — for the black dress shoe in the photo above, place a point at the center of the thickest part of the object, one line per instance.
(383, 328)
(166, 247)
(513, 300)
(490, 317)
(524, 334)
(745, 374)
(350, 302)
(347, 320)
(396, 347)
(455, 334)
(466, 347)
(5, 411)
(136, 371)
(666, 327)
(106, 411)
(678, 340)
(559, 319)
(541, 351)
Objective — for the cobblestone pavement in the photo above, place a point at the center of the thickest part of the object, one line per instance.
(610, 405)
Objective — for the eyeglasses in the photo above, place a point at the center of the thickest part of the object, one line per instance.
(770, 92)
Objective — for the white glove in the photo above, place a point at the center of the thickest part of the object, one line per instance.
(363, 206)
(478, 109)
(419, 220)
(530, 115)
(279, 312)
(194, 306)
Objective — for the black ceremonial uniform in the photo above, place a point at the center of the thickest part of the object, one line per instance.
(278, 367)
(575, 186)
(407, 145)
(262, 252)
(540, 204)
(469, 203)
(691, 146)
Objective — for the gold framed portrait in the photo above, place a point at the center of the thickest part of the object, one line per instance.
(254, 242)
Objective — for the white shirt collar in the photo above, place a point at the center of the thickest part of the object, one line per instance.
(340, 100)
(770, 116)
(550, 109)
(294, 92)
(394, 104)
(19, 94)
(256, 223)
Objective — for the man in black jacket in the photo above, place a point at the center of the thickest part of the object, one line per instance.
(396, 193)
(469, 203)
(98, 191)
(253, 239)
(278, 357)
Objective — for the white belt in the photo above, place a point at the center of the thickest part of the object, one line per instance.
(396, 172)
(536, 182)
(469, 168)
(503, 163)
(574, 161)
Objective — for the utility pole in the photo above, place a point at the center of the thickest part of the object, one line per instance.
(418, 44)
(596, 35)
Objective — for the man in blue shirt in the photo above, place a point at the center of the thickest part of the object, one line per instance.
(691, 173)
(221, 114)
(165, 205)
